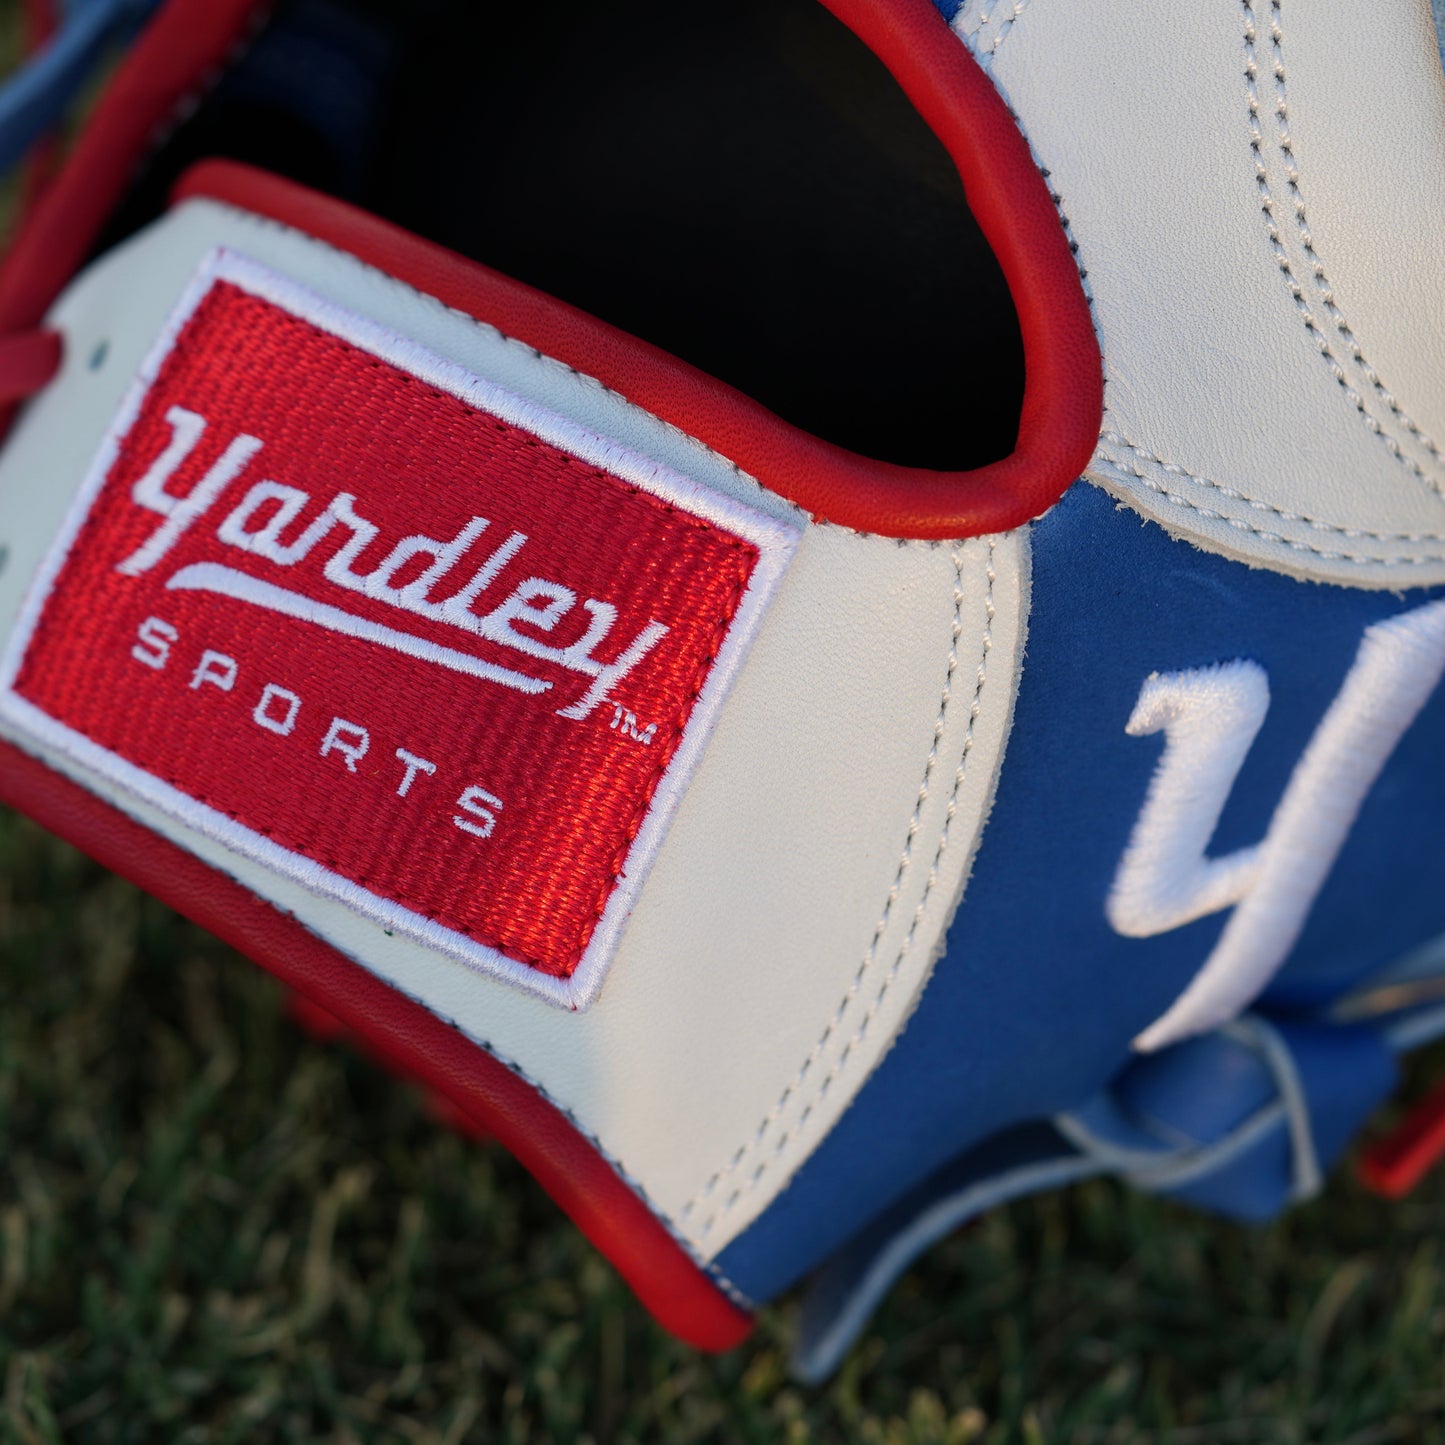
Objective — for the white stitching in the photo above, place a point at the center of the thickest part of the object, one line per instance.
(1273, 538)
(966, 22)
(986, 56)
(438, 304)
(904, 862)
(1116, 439)
(1321, 280)
(736, 1295)
(1054, 195)
(253, 217)
(893, 892)
(931, 545)
(1103, 463)
(708, 1268)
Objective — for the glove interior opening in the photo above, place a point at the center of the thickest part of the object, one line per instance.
(741, 183)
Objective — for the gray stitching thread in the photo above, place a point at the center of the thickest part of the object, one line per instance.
(1054, 194)
(1269, 206)
(621, 1170)
(623, 1173)
(1273, 538)
(617, 1166)
(1234, 494)
(593, 1139)
(893, 892)
(1321, 279)
(1240, 524)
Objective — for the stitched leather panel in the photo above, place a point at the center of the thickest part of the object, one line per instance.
(1254, 190)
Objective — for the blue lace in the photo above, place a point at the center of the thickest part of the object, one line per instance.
(36, 98)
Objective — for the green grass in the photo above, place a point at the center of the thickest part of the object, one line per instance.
(213, 1229)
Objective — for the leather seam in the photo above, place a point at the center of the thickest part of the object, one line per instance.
(708, 1267)
(870, 957)
(304, 842)
(620, 1169)
(1322, 283)
(1275, 539)
(1055, 196)
(1103, 466)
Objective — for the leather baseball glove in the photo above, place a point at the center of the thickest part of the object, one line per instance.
(822, 614)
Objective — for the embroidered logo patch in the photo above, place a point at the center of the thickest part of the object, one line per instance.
(390, 630)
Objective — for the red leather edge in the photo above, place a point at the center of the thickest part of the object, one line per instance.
(40, 23)
(608, 1211)
(1063, 398)
(1009, 197)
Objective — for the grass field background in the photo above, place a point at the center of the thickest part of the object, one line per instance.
(213, 1229)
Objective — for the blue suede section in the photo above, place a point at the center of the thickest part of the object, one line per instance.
(949, 8)
(1034, 1004)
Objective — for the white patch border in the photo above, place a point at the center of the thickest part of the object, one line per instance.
(775, 539)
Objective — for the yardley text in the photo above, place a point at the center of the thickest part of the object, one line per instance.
(269, 510)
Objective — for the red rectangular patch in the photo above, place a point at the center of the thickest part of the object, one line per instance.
(399, 634)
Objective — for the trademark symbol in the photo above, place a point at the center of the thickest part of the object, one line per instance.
(624, 723)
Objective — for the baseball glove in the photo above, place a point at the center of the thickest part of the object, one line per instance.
(820, 614)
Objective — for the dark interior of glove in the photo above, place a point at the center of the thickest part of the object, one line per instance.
(740, 182)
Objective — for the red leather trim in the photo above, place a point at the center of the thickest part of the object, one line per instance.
(185, 45)
(40, 23)
(1394, 1165)
(28, 359)
(187, 42)
(1063, 400)
(607, 1210)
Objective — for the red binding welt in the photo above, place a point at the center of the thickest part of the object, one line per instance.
(28, 359)
(179, 52)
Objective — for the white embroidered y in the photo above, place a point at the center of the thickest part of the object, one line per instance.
(1210, 717)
